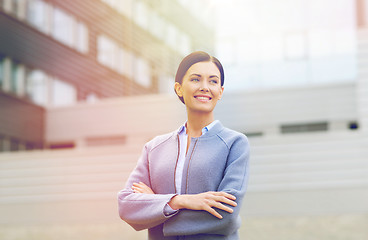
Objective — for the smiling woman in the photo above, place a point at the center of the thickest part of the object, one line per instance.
(190, 183)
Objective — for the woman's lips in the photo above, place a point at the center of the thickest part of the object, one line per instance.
(203, 98)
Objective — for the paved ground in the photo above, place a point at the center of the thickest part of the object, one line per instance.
(347, 227)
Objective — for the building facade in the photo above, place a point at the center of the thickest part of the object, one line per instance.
(57, 53)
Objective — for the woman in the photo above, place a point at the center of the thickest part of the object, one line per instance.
(189, 184)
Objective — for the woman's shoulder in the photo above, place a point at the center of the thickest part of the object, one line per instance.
(160, 139)
(230, 136)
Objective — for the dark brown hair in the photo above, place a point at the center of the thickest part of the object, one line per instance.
(192, 59)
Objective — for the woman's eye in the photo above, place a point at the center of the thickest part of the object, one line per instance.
(214, 81)
(195, 80)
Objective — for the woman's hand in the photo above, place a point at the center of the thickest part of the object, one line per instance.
(204, 201)
(142, 188)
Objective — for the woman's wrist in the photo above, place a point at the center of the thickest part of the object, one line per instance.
(176, 202)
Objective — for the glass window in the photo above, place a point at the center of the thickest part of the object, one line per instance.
(141, 14)
(12, 6)
(63, 93)
(184, 44)
(106, 51)
(142, 73)
(37, 14)
(36, 87)
(128, 64)
(1, 71)
(272, 47)
(63, 29)
(82, 38)
(227, 51)
(320, 43)
(156, 25)
(295, 46)
(120, 60)
(125, 7)
(171, 35)
(17, 7)
(14, 77)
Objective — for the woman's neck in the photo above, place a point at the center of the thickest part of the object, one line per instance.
(197, 121)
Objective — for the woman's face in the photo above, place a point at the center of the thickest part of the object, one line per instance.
(201, 87)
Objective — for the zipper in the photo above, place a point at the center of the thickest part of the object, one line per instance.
(191, 154)
(176, 164)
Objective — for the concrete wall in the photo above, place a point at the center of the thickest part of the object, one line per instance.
(141, 118)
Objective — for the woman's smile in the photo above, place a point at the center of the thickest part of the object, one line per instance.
(203, 98)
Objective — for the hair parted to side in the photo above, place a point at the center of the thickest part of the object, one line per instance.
(193, 58)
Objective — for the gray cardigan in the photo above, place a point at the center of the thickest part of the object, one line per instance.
(216, 161)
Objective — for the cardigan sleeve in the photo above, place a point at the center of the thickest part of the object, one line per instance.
(189, 222)
(140, 210)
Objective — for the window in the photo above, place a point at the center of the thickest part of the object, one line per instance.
(156, 25)
(295, 46)
(81, 38)
(141, 14)
(63, 27)
(63, 93)
(128, 64)
(271, 48)
(307, 127)
(37, 15)
(16, 7)
(12, 6)
(171, 35)
(1, 71)
(114, 56)
(36, 87)
(184, 46)
(142, 73)
(120, 61)
(14, 77)
(320, 43)
(106, 51)
(125, 7)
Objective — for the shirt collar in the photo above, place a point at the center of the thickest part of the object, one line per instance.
(183, 128)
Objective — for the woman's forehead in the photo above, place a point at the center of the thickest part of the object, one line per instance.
(204, 68)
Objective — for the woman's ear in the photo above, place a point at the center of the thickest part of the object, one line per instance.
(221, 92)
(178, 89)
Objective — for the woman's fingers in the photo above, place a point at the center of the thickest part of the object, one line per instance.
(226, 200)
(142, 188)
(207, 201)
(213, 212)
(224, 194)
(222, 207)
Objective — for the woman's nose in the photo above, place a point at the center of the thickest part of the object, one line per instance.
(204, 87)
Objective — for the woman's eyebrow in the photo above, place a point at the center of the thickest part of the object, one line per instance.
(212, 76)
(199, 75)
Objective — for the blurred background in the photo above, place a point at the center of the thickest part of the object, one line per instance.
(84, 84)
